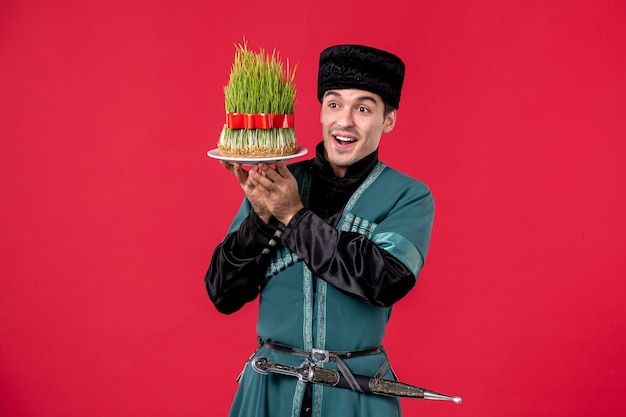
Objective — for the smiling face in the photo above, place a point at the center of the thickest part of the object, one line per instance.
(353, 122)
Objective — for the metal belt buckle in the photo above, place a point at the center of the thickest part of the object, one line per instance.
(319, 355)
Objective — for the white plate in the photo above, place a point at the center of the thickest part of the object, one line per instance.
(214, 153)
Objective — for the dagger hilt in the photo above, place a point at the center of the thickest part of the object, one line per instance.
(306, 372)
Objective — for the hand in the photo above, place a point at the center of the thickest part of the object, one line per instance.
(280, 190)
(256, 195)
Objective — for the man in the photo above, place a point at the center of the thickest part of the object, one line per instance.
(329, 244)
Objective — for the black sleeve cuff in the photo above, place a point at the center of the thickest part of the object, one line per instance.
(266, 236)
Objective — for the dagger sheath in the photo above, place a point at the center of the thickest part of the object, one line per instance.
(317, 375)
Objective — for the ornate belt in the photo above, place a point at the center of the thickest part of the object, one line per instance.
(322, 356)
(318, 355)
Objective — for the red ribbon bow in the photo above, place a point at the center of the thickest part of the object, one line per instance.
(258, 121)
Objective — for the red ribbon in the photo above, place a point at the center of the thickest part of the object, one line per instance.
(258, 121)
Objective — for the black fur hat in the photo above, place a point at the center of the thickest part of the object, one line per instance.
(362, 67)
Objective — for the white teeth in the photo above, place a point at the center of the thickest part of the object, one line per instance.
(344, 139)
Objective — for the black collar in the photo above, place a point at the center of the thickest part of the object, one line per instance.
(356, 172)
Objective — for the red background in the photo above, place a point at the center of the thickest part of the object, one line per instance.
(512, 112)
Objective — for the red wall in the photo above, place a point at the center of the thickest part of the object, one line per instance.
(513, 113)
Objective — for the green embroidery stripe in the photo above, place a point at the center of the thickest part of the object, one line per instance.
(298, 395)
(352, 223)
(307, 331)
(317, 389)
(320, 341)
(281, 260)
(378, 169)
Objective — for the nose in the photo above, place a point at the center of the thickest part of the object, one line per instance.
(345, 118)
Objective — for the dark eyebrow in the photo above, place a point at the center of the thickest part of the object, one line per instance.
(366, 98)
(360, 98)
(331, 93)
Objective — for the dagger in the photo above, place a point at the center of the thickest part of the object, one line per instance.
(308, 372)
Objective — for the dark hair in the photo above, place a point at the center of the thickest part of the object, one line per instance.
(388, 109)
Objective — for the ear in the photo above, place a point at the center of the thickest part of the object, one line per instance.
(390, 121)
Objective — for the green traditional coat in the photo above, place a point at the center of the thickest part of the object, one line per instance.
(300, 310)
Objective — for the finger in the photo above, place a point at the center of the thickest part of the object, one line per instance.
(240, 173)
(269, 172)
(260, 179)
(282, 169)
(228, 166)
